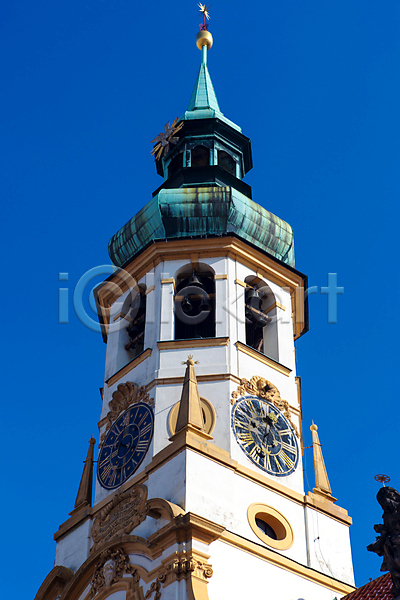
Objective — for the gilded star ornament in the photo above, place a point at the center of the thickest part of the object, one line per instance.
(165, 138)
(204, 9)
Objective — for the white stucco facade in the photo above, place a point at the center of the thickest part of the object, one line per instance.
(212, 479)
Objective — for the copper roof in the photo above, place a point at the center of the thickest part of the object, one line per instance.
(378, 589)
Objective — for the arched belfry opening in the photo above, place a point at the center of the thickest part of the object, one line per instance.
(195, 303)
(260, 317)
(200, 156)
(135, 311)
(227, 162)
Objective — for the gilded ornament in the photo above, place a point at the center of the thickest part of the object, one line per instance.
(261, 387)
(165, 138)
(204, 10)
(183, 564)
(190, 361)
(120, 516)
(154, 589)
(113, 565)
(126, 394)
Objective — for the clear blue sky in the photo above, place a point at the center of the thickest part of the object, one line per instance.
(85, 87)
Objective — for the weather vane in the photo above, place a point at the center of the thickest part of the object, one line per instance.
(206, 15)
(165, 138)
(382, 478)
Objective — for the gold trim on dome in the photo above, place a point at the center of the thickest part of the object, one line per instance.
(261, 387)
(131, 365)
(274, 519)
(193, 343)
(209, 416)
(263, 358)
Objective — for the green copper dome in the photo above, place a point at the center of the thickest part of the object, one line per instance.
(203, 193)
(201, 211)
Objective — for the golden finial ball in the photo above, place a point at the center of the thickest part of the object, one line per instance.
(204, 38)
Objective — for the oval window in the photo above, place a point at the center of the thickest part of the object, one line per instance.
(270, 526)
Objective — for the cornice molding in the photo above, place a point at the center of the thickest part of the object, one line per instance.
(127, 368)
(286, 563)
(192, 566)
(266, 360)
(200, 378)
(55, 580)
(189, 440)
(193, 343)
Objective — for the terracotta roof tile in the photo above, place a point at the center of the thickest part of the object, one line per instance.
(378, 589)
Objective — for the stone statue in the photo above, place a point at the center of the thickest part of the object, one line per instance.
(387, 544)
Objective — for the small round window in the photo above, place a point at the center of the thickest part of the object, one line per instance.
(270, 526)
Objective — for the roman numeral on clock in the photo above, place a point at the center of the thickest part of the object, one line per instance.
(142, 446)
(286, 459)
(146, 429)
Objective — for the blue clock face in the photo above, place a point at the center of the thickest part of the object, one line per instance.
(265, 436)
(125, 446)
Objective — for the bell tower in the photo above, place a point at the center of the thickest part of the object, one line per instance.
(199, 490)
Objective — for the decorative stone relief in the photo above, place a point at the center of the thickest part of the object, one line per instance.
(184, 564)
(120, 516)
(261, 387)
(113, 565)
(154, 589)
(126, 394)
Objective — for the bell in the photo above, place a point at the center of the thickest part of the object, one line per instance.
(262, 320)
(186, 305)
(139, 302)
(252, 297)
(248, 313)
(133, 331)
(205, 305)
(194, 280)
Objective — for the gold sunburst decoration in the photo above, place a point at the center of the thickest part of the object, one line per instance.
(165, 138)
(204, 9)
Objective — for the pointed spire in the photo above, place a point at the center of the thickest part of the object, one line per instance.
(84, 496)
(203, 95)
(203, 102)
(190, 413)
(322, 485)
